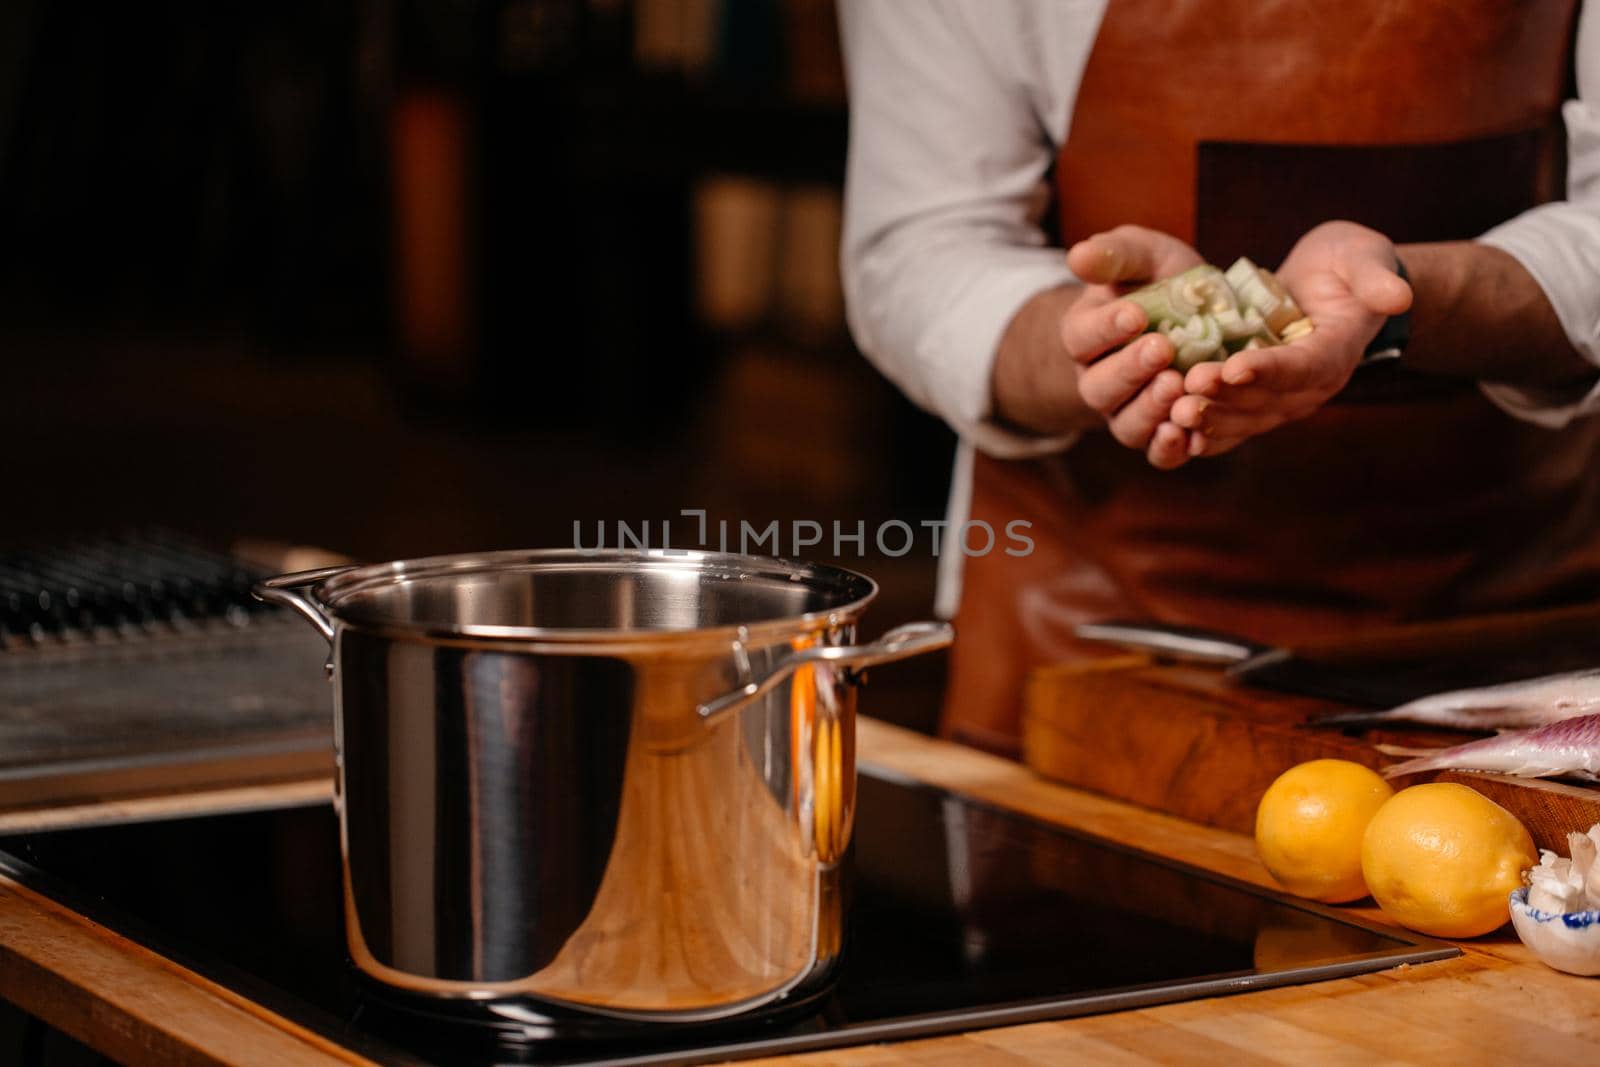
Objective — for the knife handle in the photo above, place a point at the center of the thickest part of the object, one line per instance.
(1185, 643)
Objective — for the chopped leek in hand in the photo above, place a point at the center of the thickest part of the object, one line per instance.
(1208, 314)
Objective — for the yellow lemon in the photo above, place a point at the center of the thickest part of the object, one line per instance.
(1441, 858)
(1309, 826)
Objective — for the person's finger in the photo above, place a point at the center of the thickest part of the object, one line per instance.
(1169, 447)
(1129, 254)
(1136, 423)
(1321, 361)
(1373, 280)
(1286, 368)
(1191, 410)
(1207, 380)
(1214, 420)
(1204, 379)
(1246, 397)
(1088, 332)
(1109, 383)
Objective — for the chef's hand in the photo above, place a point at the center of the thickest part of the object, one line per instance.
(1127, 380)
(1343, 277)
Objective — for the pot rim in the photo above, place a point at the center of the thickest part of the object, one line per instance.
(332, 594)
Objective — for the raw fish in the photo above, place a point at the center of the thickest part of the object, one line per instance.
(1530, 702)
(1569, 748)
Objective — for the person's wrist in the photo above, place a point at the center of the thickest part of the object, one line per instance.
(1043, 408)
(1033, 382)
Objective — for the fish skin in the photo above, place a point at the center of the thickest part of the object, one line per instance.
(1569, 748)
(1513, 705)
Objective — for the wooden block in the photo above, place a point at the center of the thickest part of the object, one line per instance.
(1187, 741)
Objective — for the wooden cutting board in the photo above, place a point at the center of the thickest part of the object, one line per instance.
(1188, 741)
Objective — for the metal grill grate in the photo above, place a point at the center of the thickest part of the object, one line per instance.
(120, 586)
(140, 661)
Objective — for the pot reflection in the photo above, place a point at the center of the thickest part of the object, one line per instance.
(503, 841)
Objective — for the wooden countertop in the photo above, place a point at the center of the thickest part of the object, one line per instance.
(1494, 1004)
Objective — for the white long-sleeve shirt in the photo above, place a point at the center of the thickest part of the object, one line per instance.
(957, 110)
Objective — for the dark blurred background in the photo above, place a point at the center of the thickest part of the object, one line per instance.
(399, 277)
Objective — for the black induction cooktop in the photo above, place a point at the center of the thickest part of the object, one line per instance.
(961, 916)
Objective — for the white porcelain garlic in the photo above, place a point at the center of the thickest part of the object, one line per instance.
(1562, 885)
(1558, 914)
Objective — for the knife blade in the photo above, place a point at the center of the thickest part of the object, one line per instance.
(1187, 644)
(1255, 664)
(1384, 668)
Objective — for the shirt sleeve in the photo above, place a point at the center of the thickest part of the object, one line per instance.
(1559, 245)
(951, 107)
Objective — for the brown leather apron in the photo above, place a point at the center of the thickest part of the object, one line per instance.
(1407, 497)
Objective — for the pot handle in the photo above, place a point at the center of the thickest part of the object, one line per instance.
(285, 590)
(902, 642)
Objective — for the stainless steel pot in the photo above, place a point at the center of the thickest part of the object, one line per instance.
(621, 782)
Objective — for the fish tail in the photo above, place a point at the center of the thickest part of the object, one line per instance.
(1411, 766)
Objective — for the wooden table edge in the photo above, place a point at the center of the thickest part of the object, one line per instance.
(142, 1008)
(124, 1000)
